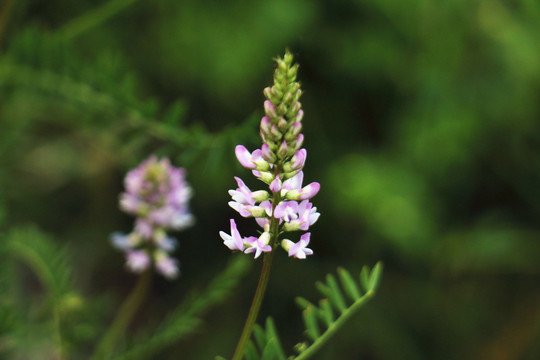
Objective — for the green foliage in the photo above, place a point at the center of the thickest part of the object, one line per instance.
(46, 260)
(48, 263)
(106, 98)
(62, 317)
(334, 309)
(321, 322)
(185, 319)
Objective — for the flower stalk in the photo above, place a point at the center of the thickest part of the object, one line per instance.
(264, 278)
(124, 316)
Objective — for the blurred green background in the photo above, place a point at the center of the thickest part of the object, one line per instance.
(421, 124)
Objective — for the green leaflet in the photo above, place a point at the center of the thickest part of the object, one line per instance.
(348, 283)
(310, 320)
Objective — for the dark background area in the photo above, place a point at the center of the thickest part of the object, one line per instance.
(421, 124)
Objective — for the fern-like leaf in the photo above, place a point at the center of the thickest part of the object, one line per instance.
(335, 299)
(48, 261)
(321, 321)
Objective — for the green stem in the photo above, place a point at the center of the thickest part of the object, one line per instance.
(93, 18)
(62, 354)
(255, 305)
(263, 282)
(124, 317)
(306, 354)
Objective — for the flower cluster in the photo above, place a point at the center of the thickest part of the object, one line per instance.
(278, 163)
(157, 194)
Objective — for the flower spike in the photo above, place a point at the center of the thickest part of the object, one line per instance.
(158, 195)
(283, 206)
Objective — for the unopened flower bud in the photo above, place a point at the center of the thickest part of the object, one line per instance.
(270, 109)
(282, 108)
(264, 176)
(288, 57)
(260, 195)
(274, 131)
(293, 110)
(267, 92)
(275, 185)
(300, 115)
(282, 151)
(291, 73)
(278, 93)
(273, 146)
(288, 98)
(282, 125)
(289, 174)
(297, 161)
(293, 131)
(299, 142)
(282, 65)
(265, 124)
(297, 94)
(267, 154)
(294, 87)
(279, 77)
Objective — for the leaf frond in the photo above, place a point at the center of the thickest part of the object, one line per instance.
(342, 299)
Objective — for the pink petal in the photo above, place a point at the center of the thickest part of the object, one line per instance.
(244, 157)
(310, 191)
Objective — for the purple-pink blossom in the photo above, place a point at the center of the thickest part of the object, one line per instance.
(137, 260)
(298, 250)
(158, 195)
(233, 241)
(166, 265)
(258, 245)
